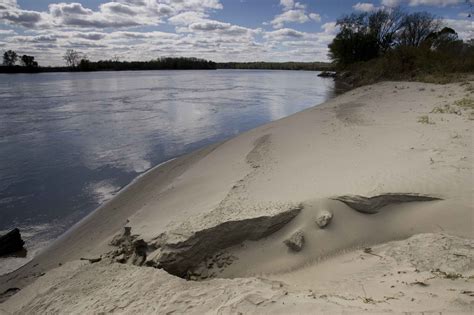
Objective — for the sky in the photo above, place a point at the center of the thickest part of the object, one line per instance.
(219, 30)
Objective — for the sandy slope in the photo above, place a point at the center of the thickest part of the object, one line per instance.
(366, 142)
(404, 276)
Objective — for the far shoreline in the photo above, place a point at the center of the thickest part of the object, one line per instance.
(145, 66)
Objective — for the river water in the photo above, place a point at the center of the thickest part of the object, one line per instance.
(70, 141)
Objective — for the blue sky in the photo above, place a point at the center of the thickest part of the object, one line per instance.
(221, 30)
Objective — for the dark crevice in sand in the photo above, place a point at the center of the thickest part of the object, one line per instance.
(371, 205)
(180, 256)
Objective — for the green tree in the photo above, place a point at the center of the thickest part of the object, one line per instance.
(444, 40)
(9, 58)
(355, 41)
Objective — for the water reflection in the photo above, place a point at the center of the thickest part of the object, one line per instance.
(69, 141)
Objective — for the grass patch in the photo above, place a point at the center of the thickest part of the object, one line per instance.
(446, 109)
(465, 103)
(425, 120)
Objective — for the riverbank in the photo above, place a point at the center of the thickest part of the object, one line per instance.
(243, 213)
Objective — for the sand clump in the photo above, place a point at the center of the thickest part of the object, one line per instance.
(295, 242)
(323, 219)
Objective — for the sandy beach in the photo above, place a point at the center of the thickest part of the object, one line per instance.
(361, 204)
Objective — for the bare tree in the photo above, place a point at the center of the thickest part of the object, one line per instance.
(416, 28)
(385, 24)
(72, 58)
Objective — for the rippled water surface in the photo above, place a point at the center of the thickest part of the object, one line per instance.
(70, 141)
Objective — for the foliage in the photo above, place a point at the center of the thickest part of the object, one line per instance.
(425, 120)
(395, 45)
(167, 63)
(9, 58)
(28, 61)
(465, 103)
(364, 36)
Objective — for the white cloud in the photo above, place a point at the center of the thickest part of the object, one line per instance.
(438, 3)
(284, 32)
(116, 14)
(391, 3)
(315, 17)
(293, 12)
(287, 4)
(118, 8)
(7, 32)
(10, 13)
(464, 28)
(364, 7)
(187, 18)
(290, 16)
(330, 28)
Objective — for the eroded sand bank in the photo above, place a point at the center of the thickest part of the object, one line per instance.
(228, 212)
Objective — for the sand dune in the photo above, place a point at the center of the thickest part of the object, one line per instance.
(304, 200)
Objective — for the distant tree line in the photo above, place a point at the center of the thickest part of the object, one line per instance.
(76, 61)
(390, 43)
(310, 66)
(165, 63)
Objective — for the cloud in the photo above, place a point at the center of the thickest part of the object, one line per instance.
(61, 9)
(293, 12)
(438, 3)
(284, 32)
(187, 18)
(315, 17)
(91, 35)
(464, 28)
(7, 32)
(111, 14)
(290, 16)
(35, 39)
(13, 15)
(364, 7)
(219, 28)
(117, 8)
(330, 28)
